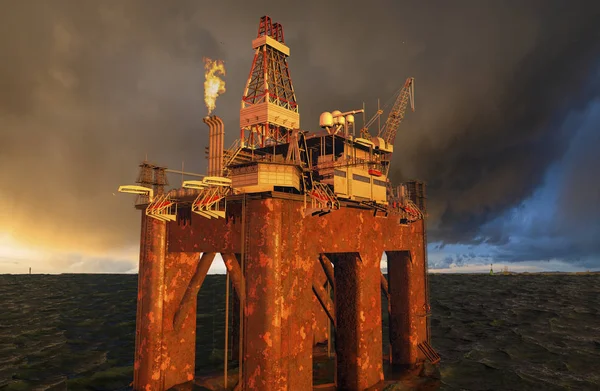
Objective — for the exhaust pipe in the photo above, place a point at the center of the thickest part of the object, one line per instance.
(220, 144)
(216, 131)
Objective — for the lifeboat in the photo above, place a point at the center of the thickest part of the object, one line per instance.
(375, 172)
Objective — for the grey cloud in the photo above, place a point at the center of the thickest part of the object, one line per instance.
(90, 87)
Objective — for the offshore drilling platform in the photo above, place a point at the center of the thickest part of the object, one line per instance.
(301, 220)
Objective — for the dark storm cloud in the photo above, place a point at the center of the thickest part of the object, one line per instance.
(88, 88)
(562, 220)
(499, 143)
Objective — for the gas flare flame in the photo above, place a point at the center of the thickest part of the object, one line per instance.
(213, 84)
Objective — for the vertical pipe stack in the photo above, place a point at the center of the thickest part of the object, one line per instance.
(219, 145)
(216, 131)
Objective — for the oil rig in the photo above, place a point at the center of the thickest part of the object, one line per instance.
(301, 220)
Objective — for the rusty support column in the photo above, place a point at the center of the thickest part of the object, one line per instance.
(358, 313)
(407, 297)
(278, 341)
(164, 356)
(151, 280)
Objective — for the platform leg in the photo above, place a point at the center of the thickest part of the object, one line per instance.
(278, 338)
(165, 353)
(408, 325)
(358, 312)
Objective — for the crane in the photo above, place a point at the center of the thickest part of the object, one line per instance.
(407, 93)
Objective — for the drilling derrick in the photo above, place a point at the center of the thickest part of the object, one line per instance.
(269, 109)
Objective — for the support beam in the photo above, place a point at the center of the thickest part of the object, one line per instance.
(325, 301)
(327, 268)
(193, 287)
(237, 278)
(321, 322)
(384, 286)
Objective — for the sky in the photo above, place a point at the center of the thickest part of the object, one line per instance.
(505, 133)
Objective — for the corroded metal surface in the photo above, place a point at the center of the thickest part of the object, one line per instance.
(281, 266)
(320, 318)
(408, 321)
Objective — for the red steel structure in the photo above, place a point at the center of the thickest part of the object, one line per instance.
(302, 244)
(269, 91)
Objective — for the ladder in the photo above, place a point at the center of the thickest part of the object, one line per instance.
(429, 352)
(233, 152)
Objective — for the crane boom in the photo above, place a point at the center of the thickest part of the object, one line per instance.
(388, 131)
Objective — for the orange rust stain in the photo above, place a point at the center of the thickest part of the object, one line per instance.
(170, 296)
(267, 339)
(252, 378)
(365, 364)
(249, 309)
(285, 311)
(269, 204)
(302, 333)
(264, 260)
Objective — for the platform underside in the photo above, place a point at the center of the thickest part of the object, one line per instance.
(277, 252)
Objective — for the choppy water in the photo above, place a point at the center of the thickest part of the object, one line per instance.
(534, 332)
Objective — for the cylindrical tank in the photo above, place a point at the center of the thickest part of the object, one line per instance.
(350, 118)
(326, 120)
(341, 120)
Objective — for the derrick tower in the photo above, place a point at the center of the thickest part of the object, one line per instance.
(269, 110)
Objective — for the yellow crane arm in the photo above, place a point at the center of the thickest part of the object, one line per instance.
(389, 130)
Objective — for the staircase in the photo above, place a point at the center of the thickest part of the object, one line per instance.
(207, 204)
(429, 352)
(162, 208)
(322, 199)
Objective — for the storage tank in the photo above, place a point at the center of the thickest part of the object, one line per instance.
(326, 120)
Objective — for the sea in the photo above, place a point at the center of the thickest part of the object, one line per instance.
(502, 332)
